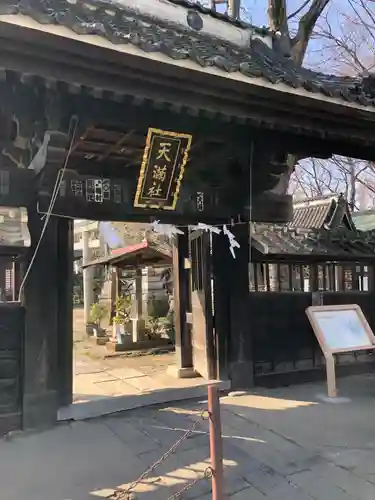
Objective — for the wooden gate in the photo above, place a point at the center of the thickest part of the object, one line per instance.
(202, 336)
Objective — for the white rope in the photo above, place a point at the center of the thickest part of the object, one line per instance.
(48, 214)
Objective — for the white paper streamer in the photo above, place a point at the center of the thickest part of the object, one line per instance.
(171, 230)
(233, 243)
(206, 227)
(165, 229)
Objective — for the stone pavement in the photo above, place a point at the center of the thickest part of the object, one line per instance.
(97, 379)
(105, 386)
(278, 444)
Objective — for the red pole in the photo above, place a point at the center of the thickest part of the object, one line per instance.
(216, 443)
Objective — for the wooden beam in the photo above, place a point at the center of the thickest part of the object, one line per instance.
(267, 109)
(16, 187)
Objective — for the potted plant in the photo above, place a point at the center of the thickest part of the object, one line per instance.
(121, 319)
(159, 328)
(97, 313)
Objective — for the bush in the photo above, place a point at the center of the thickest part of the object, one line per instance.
(123, 308)
(158, 308)
(160, 327)
(97, 313)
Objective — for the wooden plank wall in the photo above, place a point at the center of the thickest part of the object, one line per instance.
(12, 326)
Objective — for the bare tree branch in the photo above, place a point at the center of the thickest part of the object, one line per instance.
(305, 28)
(300, 9)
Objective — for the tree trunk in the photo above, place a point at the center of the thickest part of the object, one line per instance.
(296, 48)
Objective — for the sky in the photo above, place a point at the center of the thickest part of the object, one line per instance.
(255, 11)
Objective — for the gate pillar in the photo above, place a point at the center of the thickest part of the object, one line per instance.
(221, 269)
(240, 348)
(65, 236)
(180, 254)
(40, 399)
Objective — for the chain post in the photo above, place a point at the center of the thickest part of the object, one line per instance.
(216, 443)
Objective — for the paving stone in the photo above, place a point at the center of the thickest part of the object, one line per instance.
(268, 447)
(195, 458)
(265, 454)
(113, 388)
(274, 486)
(172, 419)
(291, 492)
(350, 459)
(250, 429)
(319, 487)
(138, 441)
(264, 478)
(249, 493)
(94, 457)
(124, 373)
(346, 480)
(144, 383)
(67, 462)
(162, 486)
(365, 467)
(160, 433)
(244, 463)
(235, 484)
(202, 488)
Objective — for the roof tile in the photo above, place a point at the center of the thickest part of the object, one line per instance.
(122, 25)
(336, 244)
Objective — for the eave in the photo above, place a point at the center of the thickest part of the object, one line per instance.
(136, 58)
(93, 62)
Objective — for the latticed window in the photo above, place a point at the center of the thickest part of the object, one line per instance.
(295, 277)
(8, 279)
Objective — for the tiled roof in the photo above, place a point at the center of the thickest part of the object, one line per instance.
(336, 244)
(139, 254)
(120, 25)
(323, 212)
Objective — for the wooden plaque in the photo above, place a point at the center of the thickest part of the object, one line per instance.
(162, 170)
(341, 328)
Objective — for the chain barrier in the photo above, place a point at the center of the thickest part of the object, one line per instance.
(126, 493)
(206, 475)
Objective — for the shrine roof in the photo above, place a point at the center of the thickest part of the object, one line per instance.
(254, 61)
(141, 254)
(322, 212)
(321, 227)
(320, 244)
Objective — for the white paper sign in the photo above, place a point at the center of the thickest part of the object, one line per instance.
(342, 329)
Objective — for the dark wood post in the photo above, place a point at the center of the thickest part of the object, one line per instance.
(65, 311)
(240, 343)
(180, 252)
(221, 269)
(40, 397)
(3, 266)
